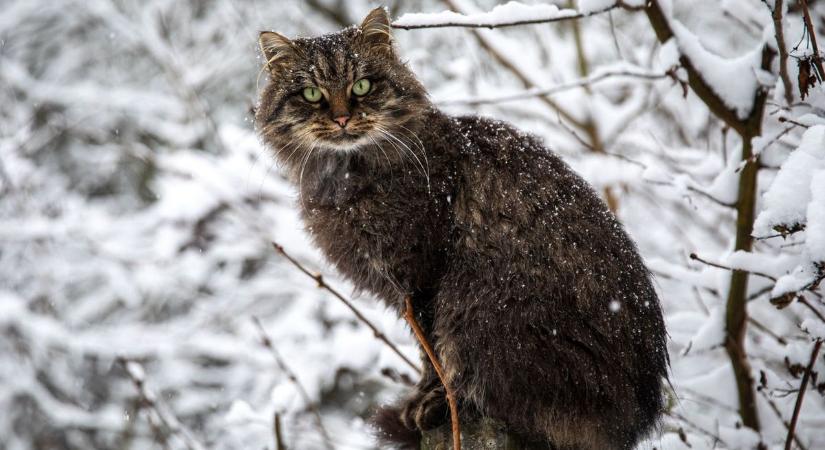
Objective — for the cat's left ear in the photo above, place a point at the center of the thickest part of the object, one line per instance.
(375, 29)
(276, 48)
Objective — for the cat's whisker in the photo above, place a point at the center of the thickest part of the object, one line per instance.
(389, 163)
(401, 150)
(420, 145)
(424, 171)
(301, 175)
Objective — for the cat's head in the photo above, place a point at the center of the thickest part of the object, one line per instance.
(339, 92)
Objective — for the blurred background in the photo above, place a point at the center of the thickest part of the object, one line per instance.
(138, 208)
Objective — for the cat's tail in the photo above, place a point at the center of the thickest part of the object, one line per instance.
(391, 431)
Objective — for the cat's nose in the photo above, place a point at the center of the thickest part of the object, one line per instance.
(342, 120)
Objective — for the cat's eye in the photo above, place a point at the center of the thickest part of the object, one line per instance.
(312, 94)
(361, 87)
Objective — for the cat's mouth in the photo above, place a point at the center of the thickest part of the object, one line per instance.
(345, 139)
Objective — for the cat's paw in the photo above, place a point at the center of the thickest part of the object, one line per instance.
(425, 410)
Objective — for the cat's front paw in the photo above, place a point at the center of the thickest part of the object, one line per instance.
(425, 410)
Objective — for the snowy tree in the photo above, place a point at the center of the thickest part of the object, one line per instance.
(142, 304)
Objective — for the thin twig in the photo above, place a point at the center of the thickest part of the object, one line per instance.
(801, 395)
(778, 414)
(697, 428)
(290, 374)
(573, 15)
(818, 314)
(409, 314)
(323, 285)
(767, 331)
(276, 429)
(148, 399)
(583, 82)
(696, 257)
(776, 13)
(508, 64)
(817, 58)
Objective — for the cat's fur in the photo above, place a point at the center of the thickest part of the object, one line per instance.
(535, 299)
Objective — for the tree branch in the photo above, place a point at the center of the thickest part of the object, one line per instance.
(293, 378)
(323, 285)
(491, 22)
(148, 399)
(776, 13)
(661, 26)
(583, 82)
(800, 396)
(409, 314)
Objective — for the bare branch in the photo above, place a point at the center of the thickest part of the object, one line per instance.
(409, 314)
(276, 430)
(817, 57)
(696, 257)
(149, 400)
(537, 92)
(801, 394)
(487, 44)
(323, 285)
(776, 13)
(293, 378)
(490, 22)
(778, 414)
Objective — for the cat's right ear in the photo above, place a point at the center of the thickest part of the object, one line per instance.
(275, 47)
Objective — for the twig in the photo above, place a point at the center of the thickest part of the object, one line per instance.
(697, 428)
(696, 257)
(767, 331)
(276, 429)
(409, 314)
(148, 399)
(508, 64)
(817, 58)
(290, 374)
(778, 414)
(818, 314)
(323, 285)
(801, 395)
(776, 13)
(583, 82)
(491, 25)
(799, 124)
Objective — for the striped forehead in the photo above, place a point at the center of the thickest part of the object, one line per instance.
(330, 60)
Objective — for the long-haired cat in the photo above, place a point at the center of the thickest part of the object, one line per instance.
(535, 299)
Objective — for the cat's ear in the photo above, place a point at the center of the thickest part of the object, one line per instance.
(275, 47)
(375, 29)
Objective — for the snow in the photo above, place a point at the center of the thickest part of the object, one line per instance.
(507, 13)
(733, 80)
(815, 216)
(787, 200)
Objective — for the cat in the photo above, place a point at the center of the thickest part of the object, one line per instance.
(535, 299)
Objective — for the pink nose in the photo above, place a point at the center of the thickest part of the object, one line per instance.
(342, 120)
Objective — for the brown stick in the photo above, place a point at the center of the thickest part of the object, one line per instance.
(783, 52)
(575, 16)
(276, 429)
(293, 378)
(323, 285)
(419, 334)
(817, 58)
(508, 64)
(801, 395)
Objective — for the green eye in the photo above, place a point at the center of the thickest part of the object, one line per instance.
(312, 94)
(361, 87)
